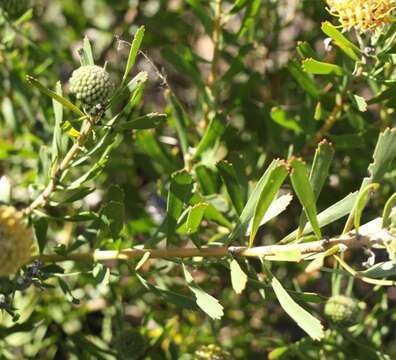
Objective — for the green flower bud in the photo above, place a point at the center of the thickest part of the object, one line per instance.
(341, 309)
(16, 241)
(211, 352)
(91, 84)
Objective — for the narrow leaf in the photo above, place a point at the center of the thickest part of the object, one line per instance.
(135, 46)
(305, 193)
(238, 277)
(319, 171)
(361, 203)
(206, 302)
(212, 134)
(229, 177)
(391, 202)
(277, 206)
(181, 120)
(341, 41)
(315, 67)
(86, 55)
(148, 121)
(195, 216)
(66, 103)
(248, 210)
(331, 214)
(303, 318)
(271, 187)
(179, 194)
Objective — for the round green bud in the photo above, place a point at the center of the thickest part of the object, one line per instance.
(14, 8)
(211, 352)
(91, 84)
(341, 309)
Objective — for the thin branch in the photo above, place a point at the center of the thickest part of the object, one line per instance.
(44, 196)
(350, 240)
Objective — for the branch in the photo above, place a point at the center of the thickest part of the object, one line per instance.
(43, 198)
(371, 234)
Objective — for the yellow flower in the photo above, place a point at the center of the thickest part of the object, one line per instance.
(16, 241)
(361, 14)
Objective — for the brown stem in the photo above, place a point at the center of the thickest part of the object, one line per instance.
(328, 124)
(350, 240)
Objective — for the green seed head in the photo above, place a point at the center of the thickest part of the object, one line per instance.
(211, 352)
(91, 84)
(341, 309)
(14, 8)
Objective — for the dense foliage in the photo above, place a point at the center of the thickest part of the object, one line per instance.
(200, 179)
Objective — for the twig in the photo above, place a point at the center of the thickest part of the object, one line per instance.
(328, 124)
(350, 240)
(216, 42)
(43, 198)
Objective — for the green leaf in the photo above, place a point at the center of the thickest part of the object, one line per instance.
(238, 277)
(248, 210)
(281, 118)
(305, 193)
(148, 121)
(361, 203)
(341, 41)
(69, 195)
(384, 155)
(178, 195)
(277, 206)
(86, 55)
(303, 318)
(194, 218)
(391, 202)
(181, 120)
(381, 270)
(212, 135)
(58, 144)
(316, 67)
(130, 90)
(40, 226)
(206, 302)
(229, 177)
(359, 102)
(135, 46)
(328, 216)
(303, 79)
(113, 216)
(208, 179)
(305, 50)
(180, 301)
(66, 103)
(292, 255)
(319, 171)
(273, 182)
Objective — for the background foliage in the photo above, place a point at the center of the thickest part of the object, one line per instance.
(239, 87)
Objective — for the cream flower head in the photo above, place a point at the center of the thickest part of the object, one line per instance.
(361, 14)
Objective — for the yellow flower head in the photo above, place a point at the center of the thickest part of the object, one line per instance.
(16, 241)
(361, 14)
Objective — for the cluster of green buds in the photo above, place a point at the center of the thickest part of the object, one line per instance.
(91, 84)
(341, 309)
